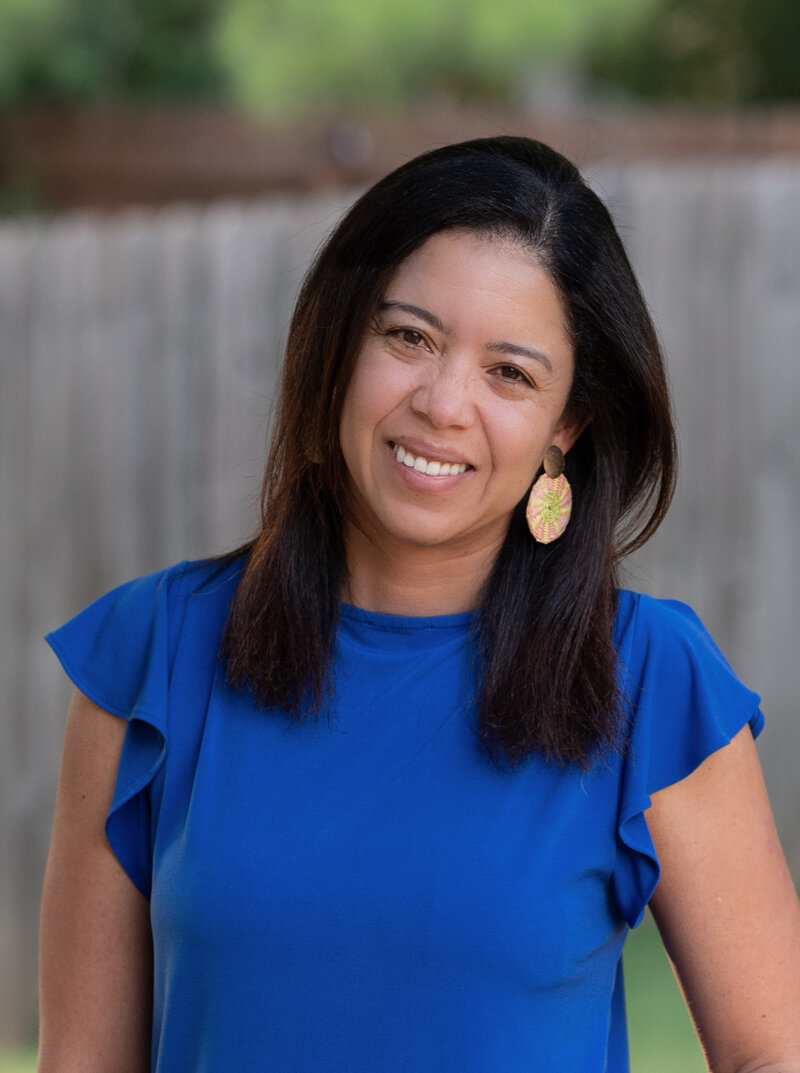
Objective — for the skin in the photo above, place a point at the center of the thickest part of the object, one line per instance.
(417, 544)
(95, 994)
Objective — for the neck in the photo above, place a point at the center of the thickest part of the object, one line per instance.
(402, 579)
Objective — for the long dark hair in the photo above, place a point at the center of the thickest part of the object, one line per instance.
(547, 677)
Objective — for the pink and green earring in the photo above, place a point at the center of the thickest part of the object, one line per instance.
(550, 501)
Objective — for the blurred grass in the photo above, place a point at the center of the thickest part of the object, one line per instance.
(661, 1036)
(18, 1061)
(662, 1039)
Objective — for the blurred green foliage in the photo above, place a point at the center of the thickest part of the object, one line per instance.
(113, 50)
(706, 51)
(283, 58)
(286, 57)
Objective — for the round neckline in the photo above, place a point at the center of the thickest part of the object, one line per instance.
(405, 623)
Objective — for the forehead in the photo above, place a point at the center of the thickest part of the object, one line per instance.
(460, 241)
(476, 276)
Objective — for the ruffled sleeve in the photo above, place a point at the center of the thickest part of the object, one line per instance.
(685, 702)
(117, 652)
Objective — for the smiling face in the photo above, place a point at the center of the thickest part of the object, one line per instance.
(459, 388)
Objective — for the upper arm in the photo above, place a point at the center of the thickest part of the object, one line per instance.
(728, 911)
(95, 945)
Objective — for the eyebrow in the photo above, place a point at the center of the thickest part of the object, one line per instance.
(434, 322)
(417, 311)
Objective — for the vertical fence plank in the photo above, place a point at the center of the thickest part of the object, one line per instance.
(18, 301)
(769, 500)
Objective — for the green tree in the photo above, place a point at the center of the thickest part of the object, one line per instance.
(285, 57)
(707, 51)
(121, 50)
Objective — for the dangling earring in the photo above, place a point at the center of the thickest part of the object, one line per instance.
(550, 501)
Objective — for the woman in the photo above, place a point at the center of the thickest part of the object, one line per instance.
(388, 787)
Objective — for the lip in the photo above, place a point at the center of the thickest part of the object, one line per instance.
(427, 483)
(431, 452)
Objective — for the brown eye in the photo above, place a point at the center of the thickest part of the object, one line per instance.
(512, 374)
(413, 338)
(410, 336)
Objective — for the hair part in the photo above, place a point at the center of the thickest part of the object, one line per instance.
(547, 674)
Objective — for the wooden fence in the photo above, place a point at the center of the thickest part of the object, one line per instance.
(137, 362)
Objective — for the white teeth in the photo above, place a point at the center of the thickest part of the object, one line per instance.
(422, 465)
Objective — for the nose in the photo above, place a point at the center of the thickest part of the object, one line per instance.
(445, 397)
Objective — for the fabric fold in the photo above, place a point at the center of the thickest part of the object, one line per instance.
(116, 652)
(678, 669)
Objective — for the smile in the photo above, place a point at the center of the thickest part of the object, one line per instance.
(424, 465)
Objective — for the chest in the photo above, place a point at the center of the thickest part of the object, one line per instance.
(381, 834)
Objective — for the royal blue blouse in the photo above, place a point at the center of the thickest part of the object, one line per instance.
(369, 893)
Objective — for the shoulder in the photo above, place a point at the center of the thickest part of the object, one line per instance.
(664, 633)
(207, 584)
(641, 618)
(123, 646)
(209, 580)
(197, 598)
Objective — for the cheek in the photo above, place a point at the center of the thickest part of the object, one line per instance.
(376, 391)
(517, 451)
(361, 415)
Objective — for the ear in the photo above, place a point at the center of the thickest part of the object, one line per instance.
(570, 429)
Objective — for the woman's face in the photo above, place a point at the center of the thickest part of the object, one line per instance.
(458, 390)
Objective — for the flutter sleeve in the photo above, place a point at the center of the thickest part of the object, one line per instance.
(117, 653)
(685, 703)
